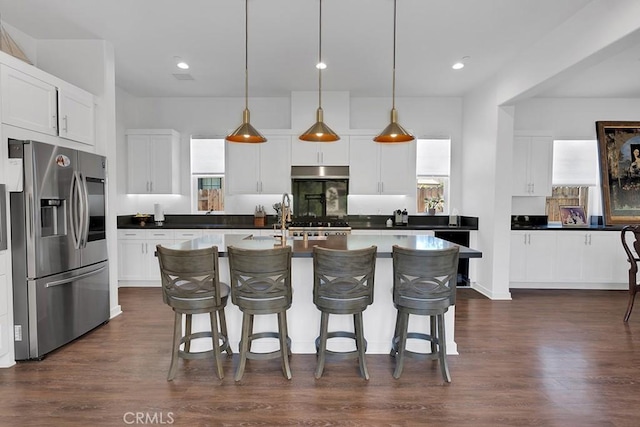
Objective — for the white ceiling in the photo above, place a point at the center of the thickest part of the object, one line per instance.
(283, 44)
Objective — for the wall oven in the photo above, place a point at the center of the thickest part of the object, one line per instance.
(320, 191)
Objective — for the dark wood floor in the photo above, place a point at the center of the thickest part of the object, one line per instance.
(546, 358)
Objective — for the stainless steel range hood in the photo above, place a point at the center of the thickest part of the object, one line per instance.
(319, 172)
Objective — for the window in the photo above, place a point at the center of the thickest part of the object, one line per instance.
(433, 164)
(574, 175)
(207, 174)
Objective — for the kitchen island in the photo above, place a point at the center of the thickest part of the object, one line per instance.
(303, 317)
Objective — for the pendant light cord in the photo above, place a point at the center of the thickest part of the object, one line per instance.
(246, 55)
(393, 86)
(320, 56)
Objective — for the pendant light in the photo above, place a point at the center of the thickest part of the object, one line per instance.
(394, 132)
(319, 132)
(245, 132)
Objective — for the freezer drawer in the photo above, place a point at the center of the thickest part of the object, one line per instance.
(63, 307)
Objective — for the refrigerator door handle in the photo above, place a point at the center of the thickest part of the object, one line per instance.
(30, 222)
(76, 210)
(84, 194)
(72, 279)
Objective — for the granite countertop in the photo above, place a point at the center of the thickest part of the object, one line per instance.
(304, 248)
(357, 222)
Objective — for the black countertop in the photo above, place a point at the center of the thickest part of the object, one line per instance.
(357, 222)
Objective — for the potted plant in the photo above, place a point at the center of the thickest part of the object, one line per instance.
(434, 204)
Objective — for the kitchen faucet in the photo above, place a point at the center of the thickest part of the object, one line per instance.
(286, 214)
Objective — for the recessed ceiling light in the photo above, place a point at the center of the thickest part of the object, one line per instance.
(460, 64)
(180, 63)
(321, 65)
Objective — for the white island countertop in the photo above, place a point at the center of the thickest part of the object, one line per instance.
(304, 248)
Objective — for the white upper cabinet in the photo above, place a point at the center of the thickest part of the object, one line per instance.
(532, 161)
(76, 114)
(305, 153)
(381, 168)
(259, 168)
(27, 102)
(153, 157)
(31, 103)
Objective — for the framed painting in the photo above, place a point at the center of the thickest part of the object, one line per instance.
(573, 216)
(619, 149)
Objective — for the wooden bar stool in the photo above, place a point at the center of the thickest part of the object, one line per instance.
(632, 258)
(191, 285)
(424, 283)
(261, 284)
(343, 284)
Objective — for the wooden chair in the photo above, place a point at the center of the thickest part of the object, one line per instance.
(632, 258)
(260, 285)
(343, 284)
(424, 283)
(191, 285)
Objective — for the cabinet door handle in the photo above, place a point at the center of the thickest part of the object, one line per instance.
(142, 247)
(65, 123)
(55, 121)
(585, 238)
(151, 186)
(382, 187)
(589, 239)
(321, 157)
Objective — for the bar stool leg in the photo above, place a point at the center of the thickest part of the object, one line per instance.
(223, 329)
(434, 333)
(322, 348)
(284, 346)
(244, 344)
(396, 333)
(177, 333)
(215, 338)
(250, 332)
(403, 325)
(442, 349)
(361, 344)
(187, 333)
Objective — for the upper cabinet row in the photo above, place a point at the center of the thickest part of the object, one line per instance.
(60, 110)
(373, 168)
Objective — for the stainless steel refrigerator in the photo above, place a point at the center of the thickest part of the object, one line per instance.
(58, 247)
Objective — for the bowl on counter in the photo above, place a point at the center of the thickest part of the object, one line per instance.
(141, 219)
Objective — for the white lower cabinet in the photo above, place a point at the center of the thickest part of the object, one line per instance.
(532, 258)
(136, 253)
(567, 258)
(137, 261)
(584, 256)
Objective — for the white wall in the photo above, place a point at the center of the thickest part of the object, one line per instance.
(426, 117)
(568, 118)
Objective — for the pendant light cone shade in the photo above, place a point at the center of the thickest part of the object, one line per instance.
(319, 131)
(245, 132)
(394, 132)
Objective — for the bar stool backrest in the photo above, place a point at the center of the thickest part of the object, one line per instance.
(190, 278)
(261, 279)
(343, 279)
(425, 279)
